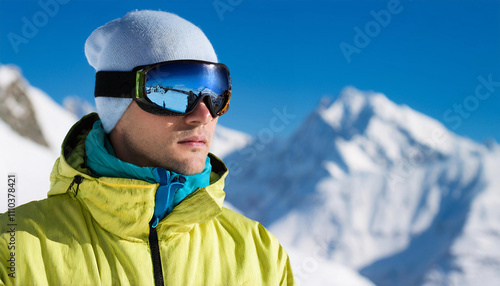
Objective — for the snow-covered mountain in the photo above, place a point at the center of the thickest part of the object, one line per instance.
(380, 188)
(32, 127)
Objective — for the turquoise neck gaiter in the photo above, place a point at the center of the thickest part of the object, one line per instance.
(173, 188)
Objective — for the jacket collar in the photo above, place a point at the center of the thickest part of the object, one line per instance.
(124, 207)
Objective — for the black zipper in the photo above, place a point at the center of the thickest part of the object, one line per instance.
(153, 240)
(155, 255)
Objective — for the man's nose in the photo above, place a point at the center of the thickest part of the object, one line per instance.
(200, 115)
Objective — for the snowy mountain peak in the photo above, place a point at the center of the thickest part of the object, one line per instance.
(8, 75)
(350, 106)
(373, 116)
(16, 108)
(30, 112)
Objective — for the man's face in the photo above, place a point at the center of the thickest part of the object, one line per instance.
(175, 143)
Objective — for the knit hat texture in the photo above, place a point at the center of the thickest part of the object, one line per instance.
(142, 38)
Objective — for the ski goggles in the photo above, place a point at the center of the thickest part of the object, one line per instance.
(170, 88)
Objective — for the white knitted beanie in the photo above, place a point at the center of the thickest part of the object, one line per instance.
(142, 38)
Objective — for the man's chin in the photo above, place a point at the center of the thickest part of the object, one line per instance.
(190, 165)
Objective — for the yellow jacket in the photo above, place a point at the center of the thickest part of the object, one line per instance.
(95, 231)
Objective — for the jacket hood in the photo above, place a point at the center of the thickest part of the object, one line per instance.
(125, 206)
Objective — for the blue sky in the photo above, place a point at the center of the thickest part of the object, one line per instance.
(430, 55)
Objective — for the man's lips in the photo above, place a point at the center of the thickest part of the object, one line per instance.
(194, 141)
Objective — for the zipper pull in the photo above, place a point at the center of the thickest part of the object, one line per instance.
(155, 223)
(78, 180)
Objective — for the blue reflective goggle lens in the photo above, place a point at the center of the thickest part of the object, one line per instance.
(177, 87)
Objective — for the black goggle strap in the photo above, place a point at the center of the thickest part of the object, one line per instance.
(115, 84)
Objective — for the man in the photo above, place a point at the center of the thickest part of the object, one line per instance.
(135, 198)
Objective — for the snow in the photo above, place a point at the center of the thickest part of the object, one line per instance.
(312, 268)
(355, 157)
(226, 141)
(17, 109)
(177, 101)
(350, 104)
(8, 74)
(30, 162)
(477, 251)
(54, 120)
(424, 214)
(383, 134)
(333, 115)
(425, 130)
(334, 170)
(309, 263)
